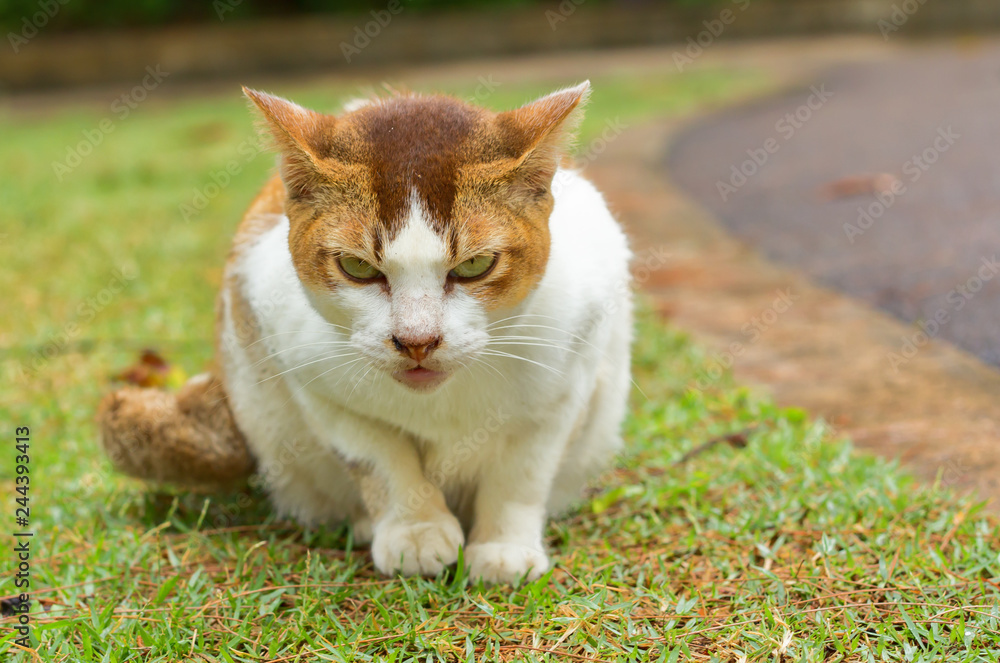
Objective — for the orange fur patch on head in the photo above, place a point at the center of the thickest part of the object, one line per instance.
(482, 178)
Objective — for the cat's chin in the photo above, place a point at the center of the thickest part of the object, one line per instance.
(421, 379)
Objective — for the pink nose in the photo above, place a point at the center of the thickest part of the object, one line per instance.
(416, 348)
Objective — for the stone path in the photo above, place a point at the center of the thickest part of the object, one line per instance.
(809, 345)
(924, 244)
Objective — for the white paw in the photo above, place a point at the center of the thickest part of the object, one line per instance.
(416, 548)
(504, 563)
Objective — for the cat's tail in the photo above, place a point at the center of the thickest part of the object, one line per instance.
(187, 438)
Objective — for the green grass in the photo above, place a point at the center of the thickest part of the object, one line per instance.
(792, 548)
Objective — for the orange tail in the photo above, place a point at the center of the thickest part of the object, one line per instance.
(187, 438)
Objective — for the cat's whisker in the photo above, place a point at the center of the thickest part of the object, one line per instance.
(303, 365)
(536, 345)
(499, 353)
(524, 315)
(538, 326)
(297, 331)
(329, 370)
(527, 337)
(577, 337)
(507, 319)
(480, 360)
(296, 347)
(371, 366)
(353, 371)
(521, 315)
(353, 377)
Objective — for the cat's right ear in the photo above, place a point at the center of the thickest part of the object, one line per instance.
(299, 134)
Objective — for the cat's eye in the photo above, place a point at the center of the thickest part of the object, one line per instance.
(476, 267)
(358, 269)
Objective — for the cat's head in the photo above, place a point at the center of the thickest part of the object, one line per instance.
(416, 219)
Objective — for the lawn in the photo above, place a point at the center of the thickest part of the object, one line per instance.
(780, 544)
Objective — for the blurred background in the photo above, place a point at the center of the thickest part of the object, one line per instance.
(74, 42)
(850, 143)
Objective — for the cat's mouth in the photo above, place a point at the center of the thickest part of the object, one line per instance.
(421, 378)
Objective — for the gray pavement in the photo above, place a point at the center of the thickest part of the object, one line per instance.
(922, 241)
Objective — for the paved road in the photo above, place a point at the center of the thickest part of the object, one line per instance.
(920, 244)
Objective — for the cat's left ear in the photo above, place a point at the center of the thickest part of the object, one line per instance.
(301, 135)
(542, 132)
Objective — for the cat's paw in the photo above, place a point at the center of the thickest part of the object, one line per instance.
(504, 563)
(416, 548)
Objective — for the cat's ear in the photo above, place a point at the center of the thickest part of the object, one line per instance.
(301, 135)
(543, 131)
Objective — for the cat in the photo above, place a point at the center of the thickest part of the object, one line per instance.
(424, 329)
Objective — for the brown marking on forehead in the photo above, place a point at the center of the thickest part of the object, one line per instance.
(416, 144)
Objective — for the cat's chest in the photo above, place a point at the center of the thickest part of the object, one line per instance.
(462, 414)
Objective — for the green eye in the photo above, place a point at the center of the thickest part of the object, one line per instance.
(358, 268)
(475, 267)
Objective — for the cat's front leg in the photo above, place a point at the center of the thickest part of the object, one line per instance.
(412, 534)
(506, 541)
(412, 531)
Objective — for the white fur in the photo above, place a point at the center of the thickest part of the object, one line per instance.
(487, 456)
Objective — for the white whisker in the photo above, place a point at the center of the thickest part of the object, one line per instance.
(308, 363)
(296, 347)
(572, 335)
(522, 315)
(371, 366)
(498, 353)
(347, 363)
(311, 331)
(537, 326)
(536, 345)
(480, 360)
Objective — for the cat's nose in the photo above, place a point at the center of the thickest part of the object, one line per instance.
(416, 348)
